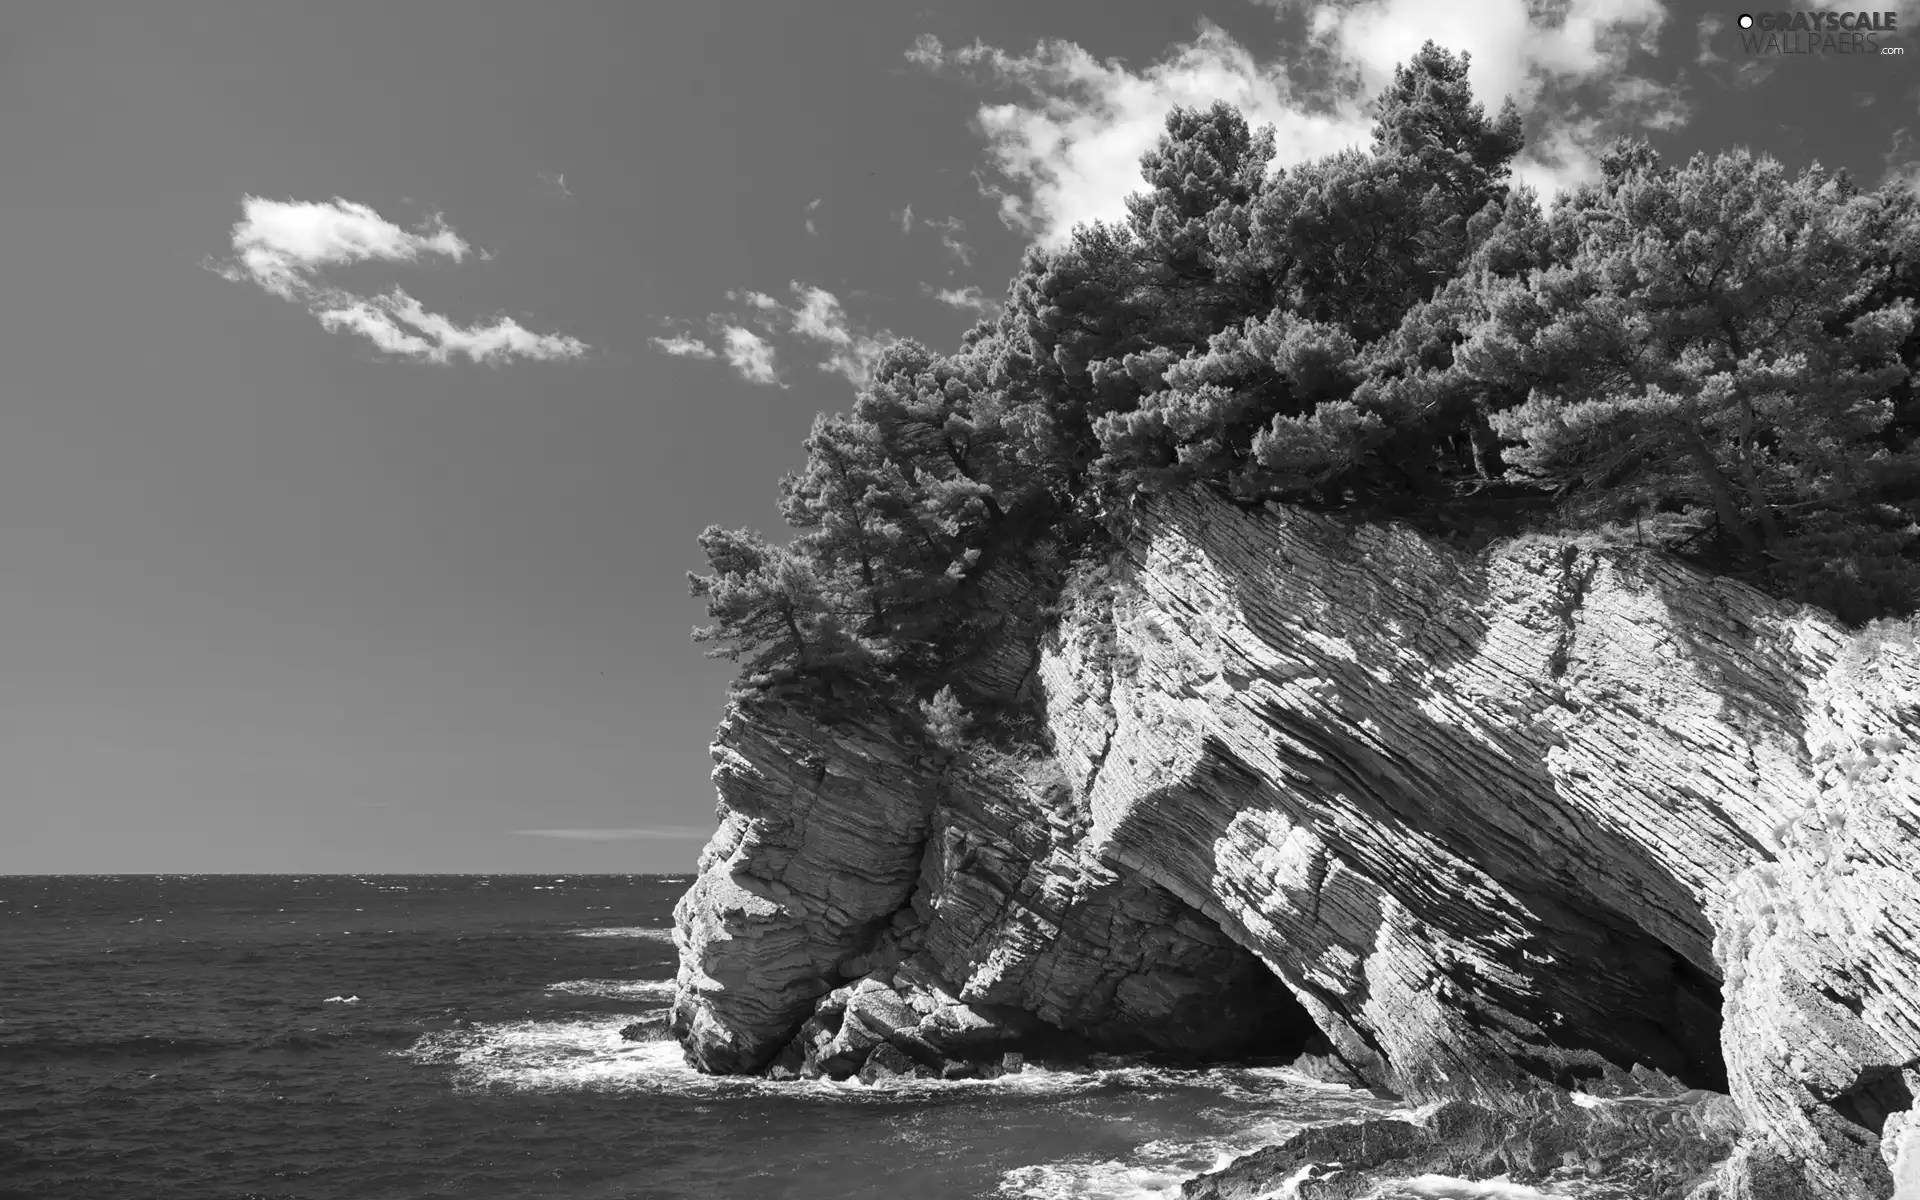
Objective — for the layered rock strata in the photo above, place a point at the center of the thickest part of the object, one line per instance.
(1498, 824)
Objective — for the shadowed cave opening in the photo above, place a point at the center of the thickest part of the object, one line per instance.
(1250, 1016)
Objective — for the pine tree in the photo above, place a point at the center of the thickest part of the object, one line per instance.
(1684, 348)
(769, 607)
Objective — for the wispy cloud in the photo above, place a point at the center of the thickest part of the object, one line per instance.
(819, 318)
(969, 298)
(1902, 160)
(814, 325)
(1065, 149)
(905, 217)
(811, 208)
(685, 346)
(950, 228)
(557, 180)
(282, 246)
(1710, 27)
(676, 833)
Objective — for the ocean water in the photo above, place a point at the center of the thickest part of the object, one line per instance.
(363, 1038)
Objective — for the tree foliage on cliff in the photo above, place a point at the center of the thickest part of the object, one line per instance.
(1719, 350)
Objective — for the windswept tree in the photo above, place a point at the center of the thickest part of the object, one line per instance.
(774, 617)
(1705, 337)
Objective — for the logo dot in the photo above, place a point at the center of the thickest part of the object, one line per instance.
(1746, 21)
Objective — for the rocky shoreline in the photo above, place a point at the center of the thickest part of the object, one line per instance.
(1583, 846)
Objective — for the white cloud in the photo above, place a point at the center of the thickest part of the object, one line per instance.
(1066, 150)
(969, 298)
(282, 246)
(811, 228)
(816, 323)
(363, 318)
(905, 217)
(438, 339)
(1902, 166)
(1070, 151)
(685, 346)
(950, 229)
(749, 354)
(557, 181)
(819, 317)
(1710, 26)
(658, 833)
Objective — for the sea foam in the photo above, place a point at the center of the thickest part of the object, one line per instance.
(588, 1053)
(644, 933)
(617, 989)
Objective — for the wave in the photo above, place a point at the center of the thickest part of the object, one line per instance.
(1158, 1169)
(1107, 1180)
(1447, 1187)
(588, 1053)
(644, 933)
(660, 990)
(1154, 1172)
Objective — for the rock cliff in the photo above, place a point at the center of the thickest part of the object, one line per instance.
(1461, 826)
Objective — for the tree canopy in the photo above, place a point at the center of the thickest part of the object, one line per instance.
(1720, 352)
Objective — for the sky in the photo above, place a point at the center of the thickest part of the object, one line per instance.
(367, 371)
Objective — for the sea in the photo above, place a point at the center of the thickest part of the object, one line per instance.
(333, 1037)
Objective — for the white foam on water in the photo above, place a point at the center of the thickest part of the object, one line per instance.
(1157, 1170)
(1108, 1180)
(1154, 1171)
(617, 989)
(1290, 1186)
(1448, 1187)
(341, 1000)
(588, 1053)
(644, 933)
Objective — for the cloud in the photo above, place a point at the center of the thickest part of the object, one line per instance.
(434, 338)
(1065, 149)
(949, 237)
(283, 246)
(815, 323)
(687, 833)
(811, 228)
(1710, 27)
(819, 318)
(749, 354)
(1902, 160)
(968, 298)
(280, 244)
(557, 181)
(685, 346)
(905, 217)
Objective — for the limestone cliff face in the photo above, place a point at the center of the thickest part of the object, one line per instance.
(1495, 823)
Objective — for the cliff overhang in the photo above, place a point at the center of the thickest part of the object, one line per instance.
(1460, 826)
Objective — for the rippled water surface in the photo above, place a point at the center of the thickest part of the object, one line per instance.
(359, 1038)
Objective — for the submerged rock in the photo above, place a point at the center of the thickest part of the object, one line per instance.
(1482, 826)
